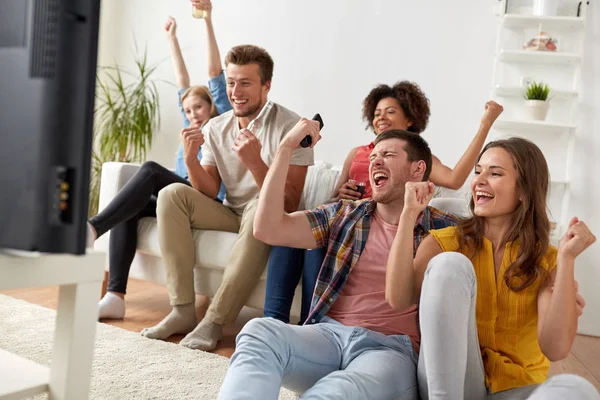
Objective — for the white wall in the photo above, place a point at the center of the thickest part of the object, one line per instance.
(585, 188)
(329, 54)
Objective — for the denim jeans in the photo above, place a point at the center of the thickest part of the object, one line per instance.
(326, 360)
(456, 371)
(284, 269)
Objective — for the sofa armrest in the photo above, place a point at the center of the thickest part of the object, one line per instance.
(456, 206)
(114, 176)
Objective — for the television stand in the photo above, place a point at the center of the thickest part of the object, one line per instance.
(79, 279)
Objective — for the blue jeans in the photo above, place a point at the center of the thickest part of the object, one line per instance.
(285, 267)
(327, 360)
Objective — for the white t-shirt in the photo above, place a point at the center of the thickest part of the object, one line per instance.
(272, 124)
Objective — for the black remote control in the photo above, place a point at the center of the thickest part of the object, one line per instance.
(307, 141)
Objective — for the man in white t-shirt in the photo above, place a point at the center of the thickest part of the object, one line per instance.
(239, 146)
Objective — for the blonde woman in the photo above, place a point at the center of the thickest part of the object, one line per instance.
(137, 199)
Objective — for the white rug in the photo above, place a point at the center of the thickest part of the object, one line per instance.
(126, 365)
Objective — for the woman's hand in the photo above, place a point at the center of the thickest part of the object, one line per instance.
(348, 191)
(576, 240)
(171, 28)
(192, 139)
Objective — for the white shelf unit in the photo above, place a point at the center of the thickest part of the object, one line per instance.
(523, 21)
(542, 66)
(524, 127)
(539, 57)
(517, 91)
(80, 280)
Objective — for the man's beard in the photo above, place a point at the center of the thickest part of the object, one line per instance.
(390, 196)
(251, 111)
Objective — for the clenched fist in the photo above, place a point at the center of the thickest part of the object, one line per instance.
(192, 139)
(417, 195)
(247, 147)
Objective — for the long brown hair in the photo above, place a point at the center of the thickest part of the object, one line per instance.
(529, 222)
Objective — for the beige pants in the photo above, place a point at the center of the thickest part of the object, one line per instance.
(180, 208)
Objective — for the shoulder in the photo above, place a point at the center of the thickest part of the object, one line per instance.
(282, 115)
(447, 238)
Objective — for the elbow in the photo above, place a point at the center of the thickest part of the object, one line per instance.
(214, 72)
(456, 184)
(396, 303)
(557, 350)
(260, 232)
(263, 232)
(557, 354)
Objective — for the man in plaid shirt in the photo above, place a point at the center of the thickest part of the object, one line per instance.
(354, 345)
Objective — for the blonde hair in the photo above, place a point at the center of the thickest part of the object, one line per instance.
(204, 94)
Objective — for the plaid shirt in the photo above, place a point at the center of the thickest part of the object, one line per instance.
(343, 228)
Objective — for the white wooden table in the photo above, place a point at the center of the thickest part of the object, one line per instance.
(80, 280)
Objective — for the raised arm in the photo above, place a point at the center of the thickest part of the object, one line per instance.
(181, 73)
(404, 275)
(444, 176)
(557, 305)
(272, 224)
(214, 57)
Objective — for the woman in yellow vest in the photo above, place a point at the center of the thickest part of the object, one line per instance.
(497, 301)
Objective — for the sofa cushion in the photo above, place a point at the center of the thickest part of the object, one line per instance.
(319, 186)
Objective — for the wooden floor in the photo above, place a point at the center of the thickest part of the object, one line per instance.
(147, 304)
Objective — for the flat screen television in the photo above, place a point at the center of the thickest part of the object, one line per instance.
(48, 53)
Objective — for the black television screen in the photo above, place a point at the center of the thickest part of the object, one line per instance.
(48, 52)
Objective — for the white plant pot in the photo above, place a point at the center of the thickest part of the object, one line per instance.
(536, 110)
(546, 8)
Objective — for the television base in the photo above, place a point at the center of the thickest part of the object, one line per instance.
(80, 281)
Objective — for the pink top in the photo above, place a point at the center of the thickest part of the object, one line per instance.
(362, 299)
(359, 169)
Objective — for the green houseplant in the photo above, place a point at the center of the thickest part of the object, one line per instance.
(126, 118)
(537, 100)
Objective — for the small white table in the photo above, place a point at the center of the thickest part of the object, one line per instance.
(80, 281)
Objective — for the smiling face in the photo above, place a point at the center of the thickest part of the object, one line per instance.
(389, 115)
(197, 110)
(245, 90)
(494, 184)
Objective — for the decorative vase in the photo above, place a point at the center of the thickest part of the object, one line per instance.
(536, 110)
(545, 8)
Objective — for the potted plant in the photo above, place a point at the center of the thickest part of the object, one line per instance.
(126, 118)
(537, 101)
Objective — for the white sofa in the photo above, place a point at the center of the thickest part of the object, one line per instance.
(213, 247)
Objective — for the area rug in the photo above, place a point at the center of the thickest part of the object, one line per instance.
(126, 365)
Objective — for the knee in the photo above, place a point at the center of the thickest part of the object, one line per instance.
(250, 209)
(169, 196)
(259, 330)
(450, 266)
(577, 386)
(150, 167)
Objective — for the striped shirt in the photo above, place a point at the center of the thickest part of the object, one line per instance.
(343, 228)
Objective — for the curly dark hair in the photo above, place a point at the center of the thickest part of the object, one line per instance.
(411, 98)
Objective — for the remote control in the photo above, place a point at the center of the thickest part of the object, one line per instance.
(307, 141)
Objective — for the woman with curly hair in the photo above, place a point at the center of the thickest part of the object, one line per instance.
(405, 106)
(402, 106)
